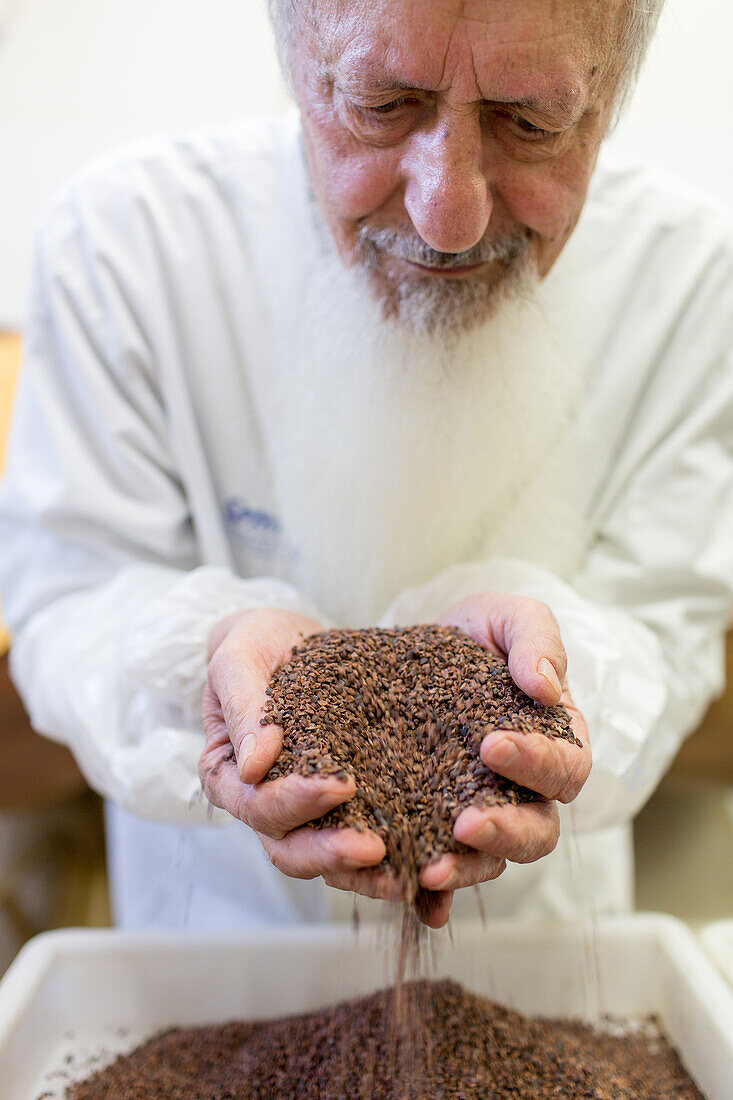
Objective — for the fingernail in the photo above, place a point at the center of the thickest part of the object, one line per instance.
(246, 748)
(445, 883)
(501, 753)
(547, 671)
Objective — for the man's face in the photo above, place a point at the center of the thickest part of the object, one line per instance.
(450, 142)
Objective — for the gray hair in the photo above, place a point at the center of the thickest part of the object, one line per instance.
(282, 17)
(641, 21)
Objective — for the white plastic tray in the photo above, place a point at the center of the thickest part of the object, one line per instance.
(72, 994)
(717, 939)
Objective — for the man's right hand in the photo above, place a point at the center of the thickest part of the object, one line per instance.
(245, 651)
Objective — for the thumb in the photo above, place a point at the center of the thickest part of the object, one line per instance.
(535, 653)
(524, 631)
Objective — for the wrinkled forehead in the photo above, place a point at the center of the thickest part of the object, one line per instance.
(552, 47)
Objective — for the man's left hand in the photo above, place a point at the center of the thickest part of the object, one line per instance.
(526, 633)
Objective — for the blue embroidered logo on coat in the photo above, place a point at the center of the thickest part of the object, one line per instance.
(259, 531)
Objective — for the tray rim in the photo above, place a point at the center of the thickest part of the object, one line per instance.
(716, 939)
(28, 970)
(34, 957)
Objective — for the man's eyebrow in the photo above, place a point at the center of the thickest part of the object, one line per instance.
(567, 108)
(373, 80)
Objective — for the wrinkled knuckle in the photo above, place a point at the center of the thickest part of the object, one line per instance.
(553, 643)
(212, 671)
(499, 869)
(236, 733)
(235, 708)
(278, 861)
(548, 781)
(271, 826)
(551, 624)
(210, 707)
(554, 649)
(533, 613)
(571, 787)
(578, 771)
(509, 838)
(560, 661)
(486, 871)
(206, 778)
(532, 848)
(217, 672)
(515, 610)
(242, 810)
(541, 608)
(550, 838)
(529, 848)
(554, 770)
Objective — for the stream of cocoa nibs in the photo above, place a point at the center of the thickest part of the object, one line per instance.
(403, 712)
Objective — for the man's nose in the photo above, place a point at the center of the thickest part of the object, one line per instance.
(447, 195)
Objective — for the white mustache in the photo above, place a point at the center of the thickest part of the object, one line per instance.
(506, 248)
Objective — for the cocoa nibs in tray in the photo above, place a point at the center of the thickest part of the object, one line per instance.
(403, 712)
(461, 1046)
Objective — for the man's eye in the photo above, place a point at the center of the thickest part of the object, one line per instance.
(398, 106)
(384, 122)
(388, 108)
(528, 129)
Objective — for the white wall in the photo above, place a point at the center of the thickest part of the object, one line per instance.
(681, 116)
(77, 76)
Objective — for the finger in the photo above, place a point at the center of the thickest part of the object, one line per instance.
(433, 907)
(278, 807)
(522, 629)
(520, 834)
(382, 885)
(217, 746)
(473, 617)
(242, 701)
(580, 729)
(243, 661)
(307, 853)
(550, 766)
(453, 871)
(370, 883)
(535, 652)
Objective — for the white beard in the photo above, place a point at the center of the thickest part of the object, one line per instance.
(397, 455)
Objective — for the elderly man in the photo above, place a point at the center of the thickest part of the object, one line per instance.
(363, 367)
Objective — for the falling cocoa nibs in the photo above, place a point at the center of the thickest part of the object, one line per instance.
(403, 712)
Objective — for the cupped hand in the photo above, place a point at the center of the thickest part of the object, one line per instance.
(525, 632)
(245, 651)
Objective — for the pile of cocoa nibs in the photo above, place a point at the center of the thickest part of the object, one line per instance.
(444, 1044)
(404, 713)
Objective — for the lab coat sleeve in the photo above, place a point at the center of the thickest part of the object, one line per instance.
(99, 571)
(644, 617)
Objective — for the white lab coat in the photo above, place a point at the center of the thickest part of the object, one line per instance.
(140, 504)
